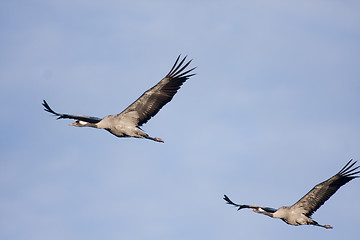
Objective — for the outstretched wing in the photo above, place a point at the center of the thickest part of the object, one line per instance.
(76, 117)
(151, 101)
(228, 201)
(317, 196)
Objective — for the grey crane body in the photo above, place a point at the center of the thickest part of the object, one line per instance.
(128, 122)
(292, 217)
(123, 126)
(300, 212)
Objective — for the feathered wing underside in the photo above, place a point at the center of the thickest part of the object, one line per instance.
(317, 196)
(228, 201)
(68, 116)
(150, 102)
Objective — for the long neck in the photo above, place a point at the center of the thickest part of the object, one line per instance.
(94, 125)
(266, 213)
(282, 213)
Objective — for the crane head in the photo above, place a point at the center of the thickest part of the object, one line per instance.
(78, 123)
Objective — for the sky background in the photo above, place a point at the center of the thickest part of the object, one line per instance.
(273, 111)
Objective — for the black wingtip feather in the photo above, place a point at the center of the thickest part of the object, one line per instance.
(187, 76)
(345, 168)
(174, 64)
(48, 109)
(176, 70)
(228, 201)
(348, 171)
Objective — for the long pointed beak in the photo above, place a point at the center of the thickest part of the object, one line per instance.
(159, 140)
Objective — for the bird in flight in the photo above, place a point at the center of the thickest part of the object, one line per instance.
(128, 122)
(300, 213)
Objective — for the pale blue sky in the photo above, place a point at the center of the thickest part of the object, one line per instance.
(272, 111)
